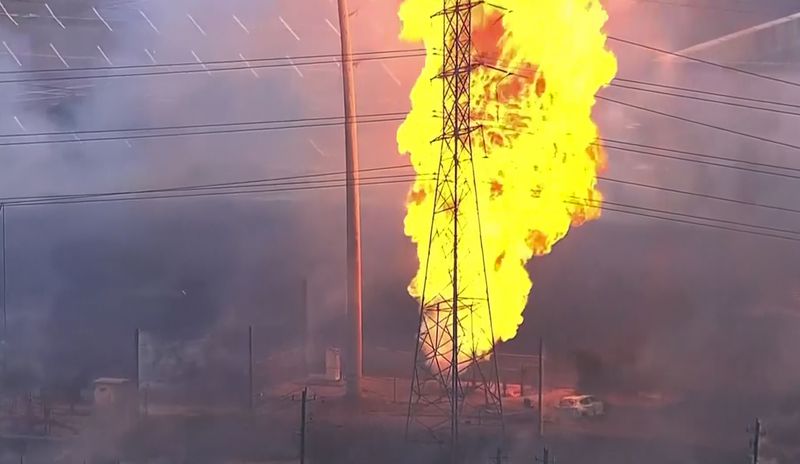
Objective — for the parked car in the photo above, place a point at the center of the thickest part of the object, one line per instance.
(581, 406)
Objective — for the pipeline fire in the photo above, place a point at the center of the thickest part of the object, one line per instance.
(535, 156)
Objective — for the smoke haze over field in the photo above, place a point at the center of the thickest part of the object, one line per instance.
(657, 305)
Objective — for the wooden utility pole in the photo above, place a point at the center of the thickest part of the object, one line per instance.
(307, 356)
(303, 426)
(545, 459)
(250, 396)
(23, 451)
(354, 346)
(137, 333)
(4, 346)
(756, 441)
(541, 387)
(304, 399)
(136, 373)
(498, 457)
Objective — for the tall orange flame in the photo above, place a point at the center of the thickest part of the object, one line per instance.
(535, 158)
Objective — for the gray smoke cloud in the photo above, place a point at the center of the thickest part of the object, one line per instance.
(91, 273)
(642, 305)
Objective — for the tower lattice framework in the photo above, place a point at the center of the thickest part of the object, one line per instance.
(453, 385)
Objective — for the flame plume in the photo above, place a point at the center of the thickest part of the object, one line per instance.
(535, 158)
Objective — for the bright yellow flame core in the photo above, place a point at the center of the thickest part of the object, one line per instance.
(535, 158)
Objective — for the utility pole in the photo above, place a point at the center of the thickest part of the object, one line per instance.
(304, 399)
(136, 379)
(303, 426)
(136, 375)
(4, 346)
(354, 345)
(498, 457)
(146, 401)
(545, 459)
(307, 351)
(756, 443)
(541, 387)
(250, 397)
(23, 450)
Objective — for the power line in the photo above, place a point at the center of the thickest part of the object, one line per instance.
(702, 218)
(85, 197)
(702, 224)
(361, 120)
(305, 179)
(330, 59)
(646, 214)
(706, 92)
(261, 181)
(196, 126)
(221, 188)
(368, 118)
(701, 123)
(205, 69)
(342, 184)
(701, 195)
(699, 155)
(524, 73)
(328, 121)
(707, 156)
(690, 160)
(698, 194)
(706, 62)
(191, 192)
(679, 220)
(212, 62)
(708, 100)
(387, 180)
(698, 161)
(292, 63)
(685, 89)
(320, 177)
(699, 7)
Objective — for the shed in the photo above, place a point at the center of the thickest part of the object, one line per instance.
(114, 392)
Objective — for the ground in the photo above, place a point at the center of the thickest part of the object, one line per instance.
(635, 430)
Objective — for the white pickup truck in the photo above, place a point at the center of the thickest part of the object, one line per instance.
(581, 406)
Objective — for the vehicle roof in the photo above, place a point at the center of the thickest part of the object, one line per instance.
(576, 397)
(111, 381)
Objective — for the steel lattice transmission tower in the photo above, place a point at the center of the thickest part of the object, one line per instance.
(451, 387)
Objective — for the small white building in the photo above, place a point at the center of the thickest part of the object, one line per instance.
(333, 365)
(116, 398)
(109, 392)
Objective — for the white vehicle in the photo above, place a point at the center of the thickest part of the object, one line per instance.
(581, 406)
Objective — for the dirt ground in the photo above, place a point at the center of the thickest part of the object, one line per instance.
(632, 432)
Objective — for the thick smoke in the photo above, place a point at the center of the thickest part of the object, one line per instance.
(703, 314)
(634, 304)
(82, 277)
